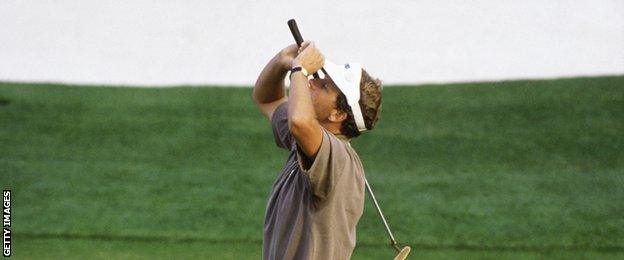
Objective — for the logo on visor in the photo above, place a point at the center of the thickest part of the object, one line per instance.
(347, 66)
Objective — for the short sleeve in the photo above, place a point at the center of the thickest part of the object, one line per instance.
(328, 165)
(279, 121)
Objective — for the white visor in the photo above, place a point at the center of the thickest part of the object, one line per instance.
(347, 78)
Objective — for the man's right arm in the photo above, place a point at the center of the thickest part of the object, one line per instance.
(269, 91)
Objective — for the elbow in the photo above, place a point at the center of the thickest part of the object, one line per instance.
(254, 97)
(257, 93)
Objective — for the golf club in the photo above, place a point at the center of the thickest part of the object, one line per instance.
(402, 252)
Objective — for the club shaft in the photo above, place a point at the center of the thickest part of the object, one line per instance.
(370, 192)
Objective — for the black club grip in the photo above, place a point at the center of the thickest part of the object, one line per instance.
(294, 29)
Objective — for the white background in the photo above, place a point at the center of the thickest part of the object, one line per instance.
(146, 42)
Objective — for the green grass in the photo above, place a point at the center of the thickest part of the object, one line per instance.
(51, 248)
(519, 169)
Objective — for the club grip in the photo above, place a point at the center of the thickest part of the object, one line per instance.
(294, 29)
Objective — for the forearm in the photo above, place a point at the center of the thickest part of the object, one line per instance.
(270, 84)
(302, 121)
(300, 107)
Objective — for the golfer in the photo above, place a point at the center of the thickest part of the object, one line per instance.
(318, 197)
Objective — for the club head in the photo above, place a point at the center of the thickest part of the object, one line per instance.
(403, 253)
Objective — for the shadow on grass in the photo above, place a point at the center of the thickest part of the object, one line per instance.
(4, 102)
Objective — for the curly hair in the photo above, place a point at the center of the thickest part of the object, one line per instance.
(370, 105)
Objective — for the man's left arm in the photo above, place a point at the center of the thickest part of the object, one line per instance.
(302, 121)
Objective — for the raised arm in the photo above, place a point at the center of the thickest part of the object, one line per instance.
(269, 90)
(302, 120)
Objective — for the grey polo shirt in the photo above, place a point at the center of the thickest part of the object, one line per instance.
(314, 206)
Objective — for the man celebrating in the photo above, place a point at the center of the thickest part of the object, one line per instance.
(318, 198)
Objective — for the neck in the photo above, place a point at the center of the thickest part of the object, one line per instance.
(334, 128)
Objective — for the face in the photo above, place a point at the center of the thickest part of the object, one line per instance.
(324, 96)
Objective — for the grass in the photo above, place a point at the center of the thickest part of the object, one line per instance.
(519, 169)
(54, 248)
